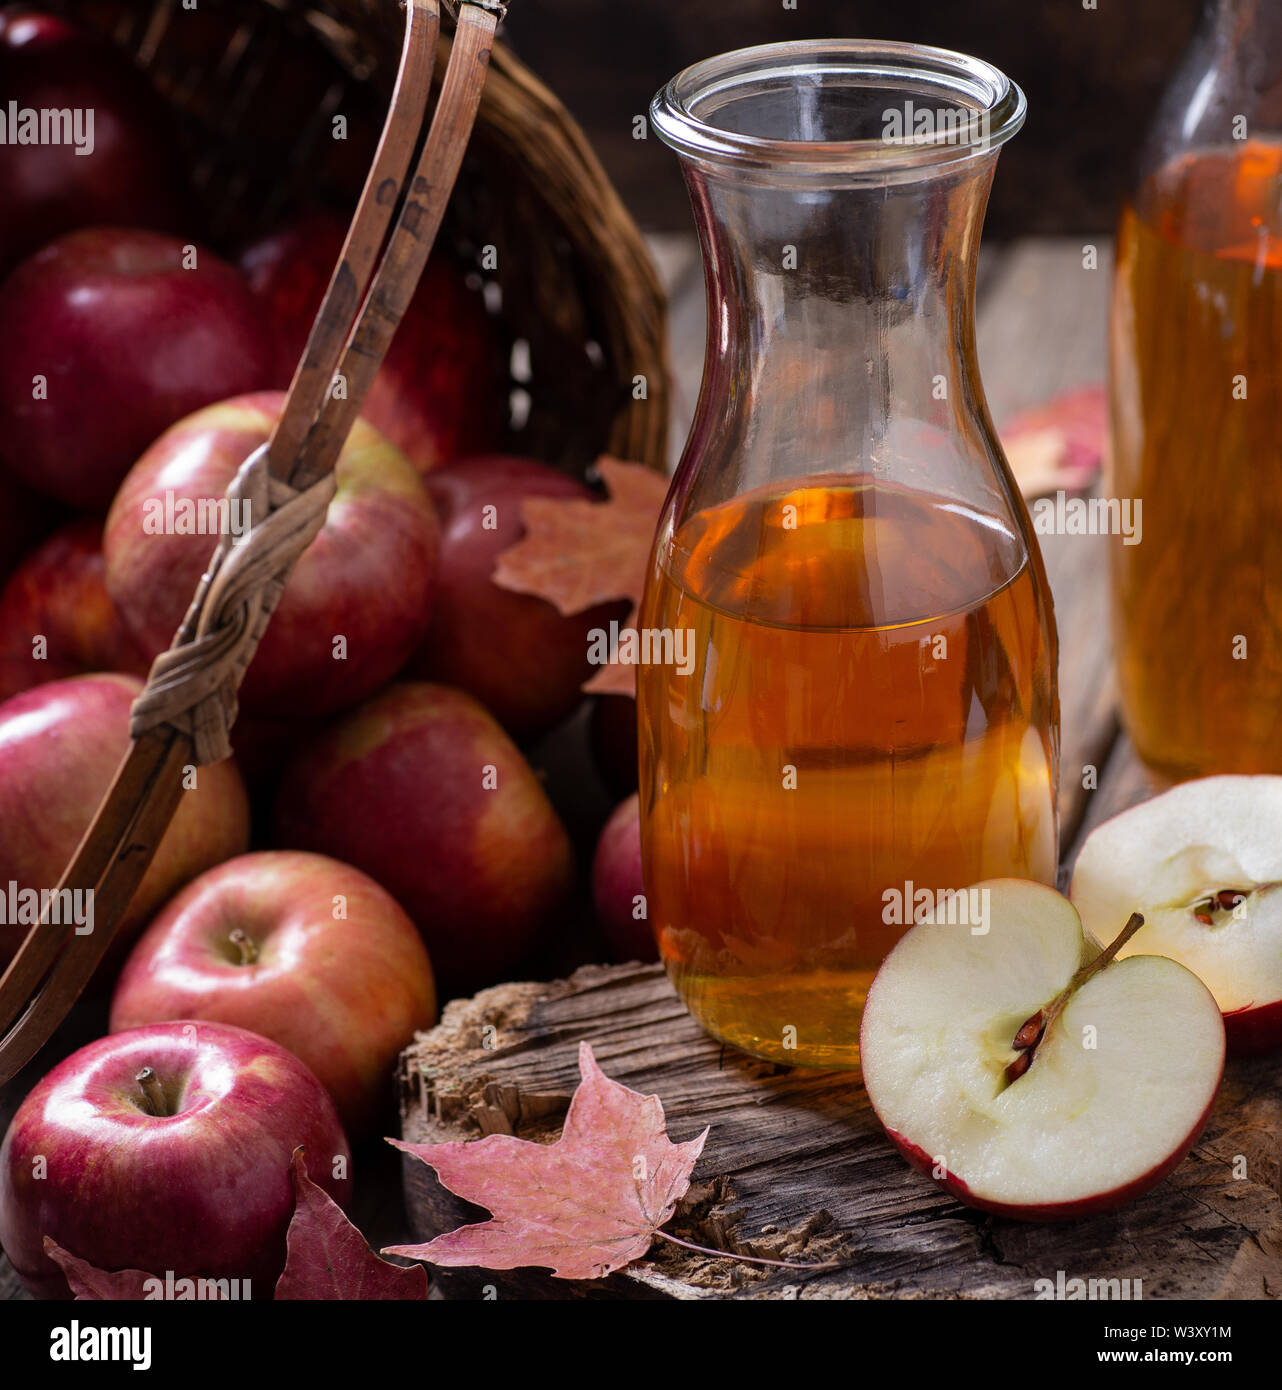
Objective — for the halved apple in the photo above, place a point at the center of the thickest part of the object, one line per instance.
(1031, 1074)
(1203, 863)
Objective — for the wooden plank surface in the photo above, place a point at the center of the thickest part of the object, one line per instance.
(796, 1165)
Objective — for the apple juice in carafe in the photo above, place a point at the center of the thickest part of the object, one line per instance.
(1197, 436)
(866, 717)
(867, 724)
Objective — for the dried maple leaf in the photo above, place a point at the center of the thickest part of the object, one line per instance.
(584, 1206)
(1059, 444)
(327, 1256)
(89, 1284)
(577, 554)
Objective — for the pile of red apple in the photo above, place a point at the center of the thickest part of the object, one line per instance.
(381, 837)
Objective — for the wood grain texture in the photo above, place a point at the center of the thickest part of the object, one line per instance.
(797, 1167)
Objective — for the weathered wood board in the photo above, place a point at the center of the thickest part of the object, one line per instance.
(797, 1167)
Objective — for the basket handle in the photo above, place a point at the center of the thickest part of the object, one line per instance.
(189, 702)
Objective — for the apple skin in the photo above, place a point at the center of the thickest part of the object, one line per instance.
(60, 746)
(514, 652)
(439, 391)
(1056, 1211)
(59, 591)
(132, 177)
(396, 788)
(616, 881)
(344, 996)
(203, 1192)
(368, 576)
(129, 342)
(1251, 1031)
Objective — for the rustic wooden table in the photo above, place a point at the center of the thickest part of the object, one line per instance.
(796, 1165)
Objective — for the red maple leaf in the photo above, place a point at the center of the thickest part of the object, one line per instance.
(89, 1284)
(327, 1256)
(577, 554)
(584, 1206)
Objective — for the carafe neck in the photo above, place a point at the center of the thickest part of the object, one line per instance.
(840, 319)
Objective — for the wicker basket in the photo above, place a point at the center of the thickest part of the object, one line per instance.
(257, 84)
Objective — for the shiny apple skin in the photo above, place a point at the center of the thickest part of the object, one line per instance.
(60, 746)
(345, 995)
(368, 576)
(205, 1191)
(131, 335)
(398, 788)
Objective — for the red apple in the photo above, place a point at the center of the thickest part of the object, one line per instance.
(188, 1171)
(422, 790)
(56, 618)
(60, 745)
(514, 652)
(617, 891)
(132, 173)
(1026, 1072)
(439, 394)
(108, 337)
(302, 949)
(357, 602)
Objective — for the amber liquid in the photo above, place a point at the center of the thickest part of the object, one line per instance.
(1197, 319)
(870, 703)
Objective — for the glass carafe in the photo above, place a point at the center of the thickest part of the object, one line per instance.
(1196, 385)
(867, 721)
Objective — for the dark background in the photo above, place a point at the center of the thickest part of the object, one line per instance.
(1092, 78)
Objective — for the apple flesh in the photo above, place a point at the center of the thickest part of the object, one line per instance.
(435, 395)
(422, 790)
(197, 1182)
(357, 602)
(60, 746)
(301, 949)
(59, 594)
(131, 176)
(130, 334)
(617, 890)
(523, 660)
(1203, 863)
(1116, 1088)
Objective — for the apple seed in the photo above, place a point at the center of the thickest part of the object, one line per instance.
(1034, 1028)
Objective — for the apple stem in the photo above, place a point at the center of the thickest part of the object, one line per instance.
(153, 1094)
(248, 950)
(1034, 1028)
